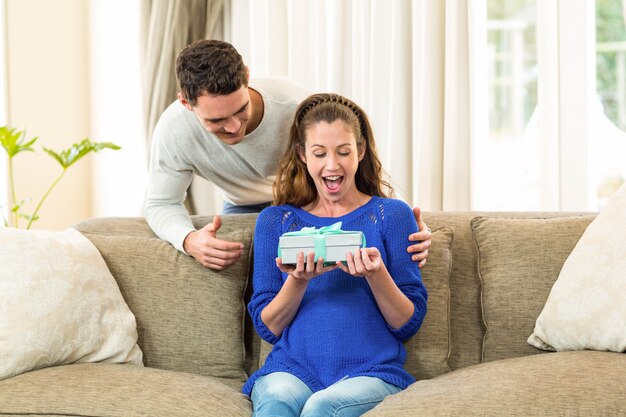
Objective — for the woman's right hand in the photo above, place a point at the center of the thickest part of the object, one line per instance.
(305, 271)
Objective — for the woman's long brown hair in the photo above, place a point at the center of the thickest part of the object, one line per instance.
(293, 184)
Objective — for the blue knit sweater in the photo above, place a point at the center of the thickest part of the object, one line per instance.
(339, 330)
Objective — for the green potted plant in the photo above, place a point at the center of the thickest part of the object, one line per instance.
(15, 142)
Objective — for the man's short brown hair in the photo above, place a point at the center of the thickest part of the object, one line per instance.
(209, 66)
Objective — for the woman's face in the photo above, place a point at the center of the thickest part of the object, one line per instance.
(332, 158)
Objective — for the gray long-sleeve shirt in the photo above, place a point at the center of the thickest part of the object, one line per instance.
(244, 172)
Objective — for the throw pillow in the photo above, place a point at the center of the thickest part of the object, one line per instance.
(428, 350)
(518, 262)
(586, 308)
(59, 304)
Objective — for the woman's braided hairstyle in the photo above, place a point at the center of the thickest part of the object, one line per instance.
(293, 184)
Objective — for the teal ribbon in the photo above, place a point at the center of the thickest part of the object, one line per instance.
(319, 237)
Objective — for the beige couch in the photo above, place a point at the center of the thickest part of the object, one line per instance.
(488, 277)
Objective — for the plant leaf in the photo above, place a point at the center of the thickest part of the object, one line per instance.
(75, 152)
(11, 142)
(54, 155)
(17, 206)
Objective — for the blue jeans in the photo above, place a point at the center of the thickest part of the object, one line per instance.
(281, 394)
(229, 208)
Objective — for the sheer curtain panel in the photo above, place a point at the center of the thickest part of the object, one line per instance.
(167, 27)
(406, 62)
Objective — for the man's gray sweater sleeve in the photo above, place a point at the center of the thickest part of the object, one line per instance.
(168, 180)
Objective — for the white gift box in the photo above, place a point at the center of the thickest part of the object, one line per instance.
(332, 247)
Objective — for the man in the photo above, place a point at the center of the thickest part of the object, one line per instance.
(230, 133)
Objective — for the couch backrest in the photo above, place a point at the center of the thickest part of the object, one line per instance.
(175, 300)
(468, 328)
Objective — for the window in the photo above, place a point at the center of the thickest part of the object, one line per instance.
(510, 146)
(556, 88)
(610, 157)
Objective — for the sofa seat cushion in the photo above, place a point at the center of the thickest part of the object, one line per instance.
(582, 383)
(119, 390)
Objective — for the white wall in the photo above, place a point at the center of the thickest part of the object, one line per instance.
(73, 72)
(4, 196)
(47, 94)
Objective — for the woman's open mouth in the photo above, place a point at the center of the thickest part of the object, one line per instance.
(333, 183)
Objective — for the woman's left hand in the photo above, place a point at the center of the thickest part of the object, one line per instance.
(364, 263)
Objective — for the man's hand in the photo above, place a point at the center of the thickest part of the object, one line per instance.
(424, 235)
(210, 251)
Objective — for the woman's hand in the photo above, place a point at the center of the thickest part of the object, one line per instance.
(364, 263)
(304, 271)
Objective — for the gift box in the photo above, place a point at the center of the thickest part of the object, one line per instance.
(330, 243)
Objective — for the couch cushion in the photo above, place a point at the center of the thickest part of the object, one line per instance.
(582, 383)
(586, 308)
(119, 390)
(189, 318)
(59, 304)
(518, 262)
(466, 324)
(428, 350)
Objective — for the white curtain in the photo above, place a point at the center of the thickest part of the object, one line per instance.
(405, 62)
(167, 27)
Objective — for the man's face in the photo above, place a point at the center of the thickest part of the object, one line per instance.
(225, 116)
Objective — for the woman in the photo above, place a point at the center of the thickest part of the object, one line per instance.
(337, 330)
